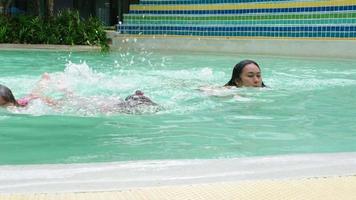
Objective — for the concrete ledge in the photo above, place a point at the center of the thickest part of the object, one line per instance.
(327, 188)
(262, 46)
(49, 47)
(136, 174)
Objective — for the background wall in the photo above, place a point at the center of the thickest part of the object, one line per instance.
(243, 18)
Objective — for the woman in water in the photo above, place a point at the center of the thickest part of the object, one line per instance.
(246, 73)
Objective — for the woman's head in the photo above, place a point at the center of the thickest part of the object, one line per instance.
(246, 73)
(6, 97)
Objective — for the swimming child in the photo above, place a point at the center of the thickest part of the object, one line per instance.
(134, 103)
(8, 99)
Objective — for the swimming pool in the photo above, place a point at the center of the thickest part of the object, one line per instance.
(308, 107)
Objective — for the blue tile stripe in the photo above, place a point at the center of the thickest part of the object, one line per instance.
(255, 22)
(245, 11)
(250, 34)
(294, 31)
(241, 28)
(180, 2)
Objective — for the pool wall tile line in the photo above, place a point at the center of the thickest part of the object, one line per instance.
(242, 18)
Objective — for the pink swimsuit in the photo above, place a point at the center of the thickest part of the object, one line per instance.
(24, 101)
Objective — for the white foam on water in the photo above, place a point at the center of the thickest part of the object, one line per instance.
(78, 90)
(176, 90)
(35, 107)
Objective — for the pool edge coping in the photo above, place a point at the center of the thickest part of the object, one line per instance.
(48, 47)
(295, 47)
(101, 177)
(317, 188)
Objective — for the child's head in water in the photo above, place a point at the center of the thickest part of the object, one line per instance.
(139, 98)
(6, 97)
(136, 103)
(246, 73)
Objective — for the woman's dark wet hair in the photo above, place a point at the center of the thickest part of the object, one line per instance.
(7, 95)
(236, 72)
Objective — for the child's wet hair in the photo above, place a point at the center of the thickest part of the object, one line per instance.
(6, 95)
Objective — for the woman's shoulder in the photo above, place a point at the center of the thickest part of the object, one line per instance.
(217, 90)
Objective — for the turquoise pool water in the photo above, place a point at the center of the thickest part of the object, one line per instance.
(309, 107)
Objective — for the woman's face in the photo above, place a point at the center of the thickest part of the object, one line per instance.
(250, 76)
